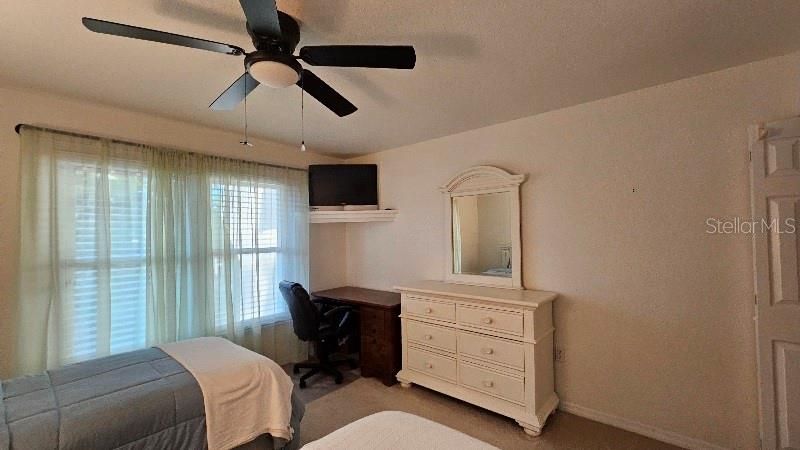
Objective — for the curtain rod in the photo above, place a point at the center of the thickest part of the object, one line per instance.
(19, 126)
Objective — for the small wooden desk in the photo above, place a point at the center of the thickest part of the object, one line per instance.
(379, 315)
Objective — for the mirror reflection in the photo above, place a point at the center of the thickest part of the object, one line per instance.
(482, 234)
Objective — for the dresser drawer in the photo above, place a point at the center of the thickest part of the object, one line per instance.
(372, 322)
(491, 319)
(492, 349)
(480, 379)
(423, 333)
(430, 308)
(432, 364)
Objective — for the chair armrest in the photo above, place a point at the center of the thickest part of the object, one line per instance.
(341, 317)
(336, 310)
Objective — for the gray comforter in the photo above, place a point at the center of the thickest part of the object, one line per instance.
(139, 400)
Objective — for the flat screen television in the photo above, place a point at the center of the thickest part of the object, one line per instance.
(343, 186)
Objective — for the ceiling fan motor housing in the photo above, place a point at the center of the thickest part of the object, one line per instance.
(285, 44)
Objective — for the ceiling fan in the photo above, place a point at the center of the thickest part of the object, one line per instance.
(275, 35)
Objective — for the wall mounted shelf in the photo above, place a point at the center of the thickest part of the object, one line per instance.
(380, 215)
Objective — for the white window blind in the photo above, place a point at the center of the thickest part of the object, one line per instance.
(103, 246)
(246, 231)
(245, 221)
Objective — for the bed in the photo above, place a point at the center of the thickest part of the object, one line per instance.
(136, 400)
(396, 430)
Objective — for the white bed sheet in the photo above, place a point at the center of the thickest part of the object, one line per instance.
(395, 430)
(245, 394)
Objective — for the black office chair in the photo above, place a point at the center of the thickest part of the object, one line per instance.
(325, 326)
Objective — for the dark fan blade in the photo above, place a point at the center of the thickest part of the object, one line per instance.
(235, 93)
(118, 29)
(325, 94)
(381, 56)
(262, 16)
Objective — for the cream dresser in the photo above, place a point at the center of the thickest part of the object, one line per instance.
(492, 347)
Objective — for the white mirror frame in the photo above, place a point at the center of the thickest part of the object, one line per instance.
(485, 180)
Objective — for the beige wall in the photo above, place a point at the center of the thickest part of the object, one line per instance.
(328, 251)
(23, 106)
(655, 317)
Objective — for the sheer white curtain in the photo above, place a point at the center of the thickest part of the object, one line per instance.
(254, 248)
(125, 246)
(180, 282)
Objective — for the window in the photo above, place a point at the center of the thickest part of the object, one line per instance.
(246, 237)
(104, 255)
(103, 246)
(124, 246)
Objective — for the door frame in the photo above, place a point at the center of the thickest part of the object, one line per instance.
(764, 306)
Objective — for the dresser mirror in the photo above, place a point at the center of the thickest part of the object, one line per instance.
(483, 229)
(482, 234)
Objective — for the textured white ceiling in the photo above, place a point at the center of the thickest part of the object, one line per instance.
(479, 62)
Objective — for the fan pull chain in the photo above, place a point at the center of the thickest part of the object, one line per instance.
(245, 142)
(302, 117)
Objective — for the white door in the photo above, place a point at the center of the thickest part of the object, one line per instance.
(775, 197)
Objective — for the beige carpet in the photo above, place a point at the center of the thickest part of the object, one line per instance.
(366, 396)
(320, 385)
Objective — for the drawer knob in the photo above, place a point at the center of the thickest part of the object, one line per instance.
(428, 310)
(429, 365)
(488, 351)
(487, 320)
(428, 337)
(488, 383)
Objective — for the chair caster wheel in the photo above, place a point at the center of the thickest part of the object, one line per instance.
(302, 384)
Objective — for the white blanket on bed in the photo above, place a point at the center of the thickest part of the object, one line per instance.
(245, 394)
(395, 430)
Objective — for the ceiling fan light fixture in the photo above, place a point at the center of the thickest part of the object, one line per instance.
(276, 71)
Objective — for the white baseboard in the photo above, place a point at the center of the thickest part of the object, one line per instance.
(638, 428)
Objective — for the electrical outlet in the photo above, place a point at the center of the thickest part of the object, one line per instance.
(560, 355)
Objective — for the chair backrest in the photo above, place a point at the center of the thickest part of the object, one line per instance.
(305, 315)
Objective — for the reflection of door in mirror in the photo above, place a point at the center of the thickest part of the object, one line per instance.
(482, 234)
